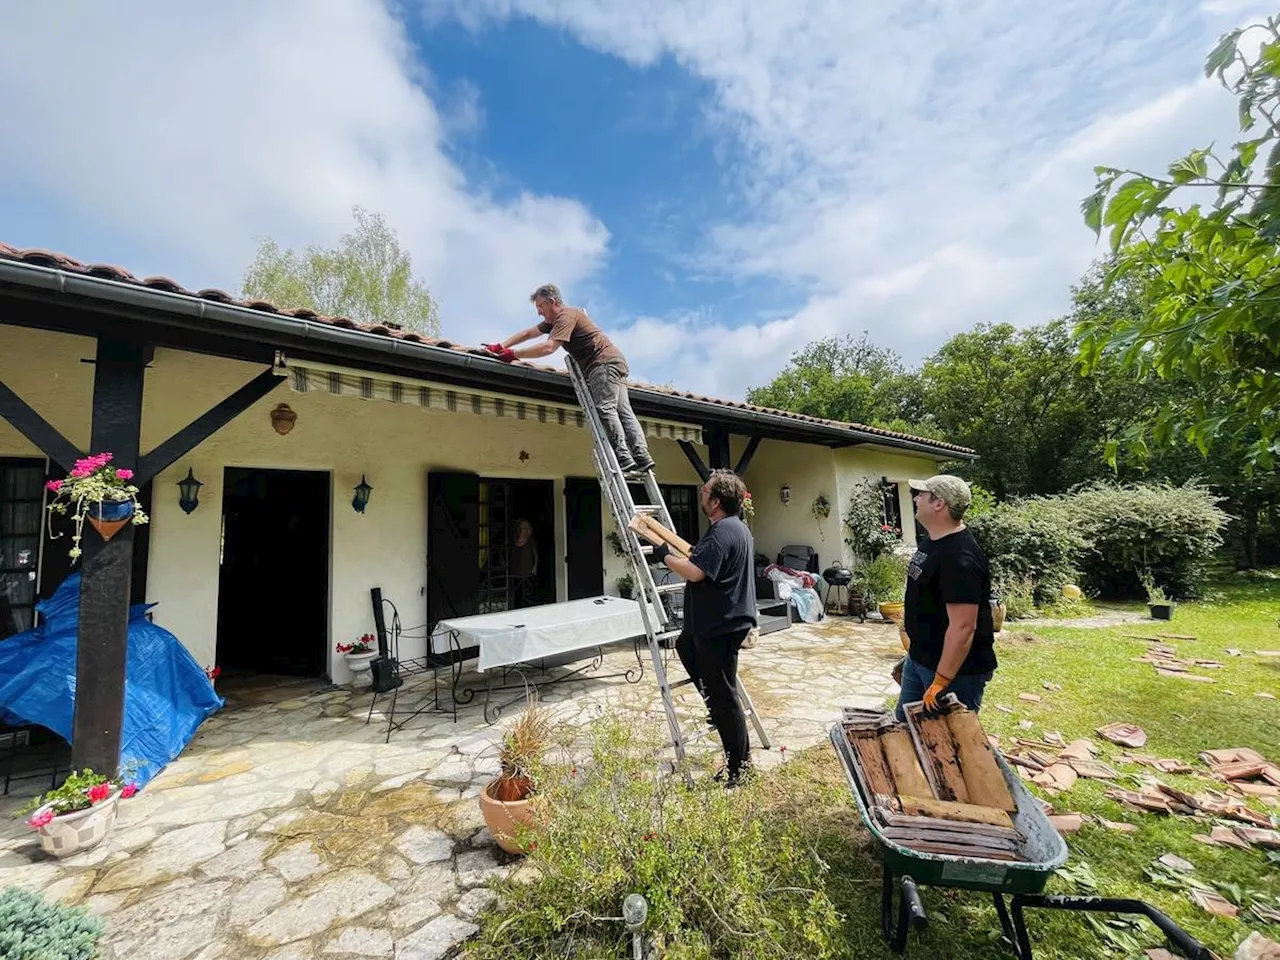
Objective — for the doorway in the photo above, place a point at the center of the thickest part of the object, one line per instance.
(584, 537)
(517, 570)
(273, 580)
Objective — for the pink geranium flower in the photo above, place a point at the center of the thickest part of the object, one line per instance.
(124, 474)
(41, 819)
(54, 486)
(129, 790)
(99, 793)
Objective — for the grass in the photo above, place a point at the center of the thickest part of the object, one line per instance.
(1100, 684)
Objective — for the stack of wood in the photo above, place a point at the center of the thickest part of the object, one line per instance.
(933, 783)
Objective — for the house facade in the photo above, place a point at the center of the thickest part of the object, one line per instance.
(289, 421)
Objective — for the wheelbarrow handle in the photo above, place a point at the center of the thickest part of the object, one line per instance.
(1188, 945)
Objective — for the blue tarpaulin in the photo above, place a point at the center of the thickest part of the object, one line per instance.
(166, 696)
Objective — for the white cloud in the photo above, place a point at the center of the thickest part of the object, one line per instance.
(191, 131)
(916, 168)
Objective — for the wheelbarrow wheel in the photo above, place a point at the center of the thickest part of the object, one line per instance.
(910, 910)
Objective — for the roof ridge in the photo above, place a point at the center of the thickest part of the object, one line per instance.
(116, 274)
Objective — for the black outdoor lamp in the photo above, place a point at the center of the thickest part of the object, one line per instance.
(361, 499)
(189, 492)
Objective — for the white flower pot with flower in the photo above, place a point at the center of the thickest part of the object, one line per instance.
(359, 655)
(79, 814)
(97, 492)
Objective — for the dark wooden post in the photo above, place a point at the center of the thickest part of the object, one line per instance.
(106, 568)
(718, 448)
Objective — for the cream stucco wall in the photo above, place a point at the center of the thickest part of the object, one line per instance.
(394, 446)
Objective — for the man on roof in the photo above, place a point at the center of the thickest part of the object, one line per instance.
(602, 363)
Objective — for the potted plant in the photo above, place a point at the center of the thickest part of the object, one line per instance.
(886, 578)
(506, 800)
(1158, 603)
(626, 586)
(359, 654)
(98, 492)
(748, 507)
(77, 815)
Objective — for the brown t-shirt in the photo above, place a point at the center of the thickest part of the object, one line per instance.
(583, 340)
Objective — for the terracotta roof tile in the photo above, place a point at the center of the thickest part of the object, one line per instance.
(106, 271)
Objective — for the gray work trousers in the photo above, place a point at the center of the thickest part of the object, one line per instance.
(608, 387)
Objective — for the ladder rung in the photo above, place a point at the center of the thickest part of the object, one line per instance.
(647, 508)
(681, 683)
(670, 587)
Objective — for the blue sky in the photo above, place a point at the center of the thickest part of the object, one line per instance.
(718, 182)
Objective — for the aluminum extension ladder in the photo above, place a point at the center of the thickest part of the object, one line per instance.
(660, 626)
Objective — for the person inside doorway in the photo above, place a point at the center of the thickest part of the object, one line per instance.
(601, 362)
(524, 566)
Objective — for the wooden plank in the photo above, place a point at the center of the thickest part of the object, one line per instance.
(890, 819)
(656, 533)
(983, 779)
(904, 765)
(871, 759)
(951, 810)
(909, 837)
(955, 850)
(937, 754)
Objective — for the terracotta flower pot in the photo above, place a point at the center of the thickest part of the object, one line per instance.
(998, 612)
(503, 817)
(79, 830)
(892, 611)
(109, 517)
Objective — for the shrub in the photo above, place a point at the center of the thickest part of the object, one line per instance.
(1131, 529)
(31, 929)
(722, 878)
(869, 536)
(1019, 596)
(884, 579)
(1034, 541)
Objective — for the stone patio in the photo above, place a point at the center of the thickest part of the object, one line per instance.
(289, 829)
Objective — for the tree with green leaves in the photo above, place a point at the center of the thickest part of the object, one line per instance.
(846, 379)
(1209, 271)
(367, 277)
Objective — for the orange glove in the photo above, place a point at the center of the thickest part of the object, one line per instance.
(936, 689)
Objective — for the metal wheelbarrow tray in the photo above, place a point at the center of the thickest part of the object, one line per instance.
(905, 870)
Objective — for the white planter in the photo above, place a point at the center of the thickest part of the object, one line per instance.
(71, 833)
(358, 663)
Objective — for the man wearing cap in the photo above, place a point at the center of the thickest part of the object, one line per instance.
(947, 612)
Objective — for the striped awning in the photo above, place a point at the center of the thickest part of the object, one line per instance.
(308, 377)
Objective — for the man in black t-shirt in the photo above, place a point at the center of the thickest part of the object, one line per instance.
(947, 612)
(719, 612)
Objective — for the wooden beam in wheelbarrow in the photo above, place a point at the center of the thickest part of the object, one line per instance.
(900, 754)
(949, 810)
(982, 775)
(937, 754)
(656, 534)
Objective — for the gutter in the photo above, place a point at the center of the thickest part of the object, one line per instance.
(209, 315)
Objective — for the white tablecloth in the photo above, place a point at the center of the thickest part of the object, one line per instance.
(522, 636)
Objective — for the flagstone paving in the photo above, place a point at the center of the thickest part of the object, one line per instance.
(289, 828)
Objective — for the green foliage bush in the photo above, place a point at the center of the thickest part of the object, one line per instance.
(1019, 596)
(1034, 541)
(884, 579)
(1171, 531)
(31, 929)
(722, 878)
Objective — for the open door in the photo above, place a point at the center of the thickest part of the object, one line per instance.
(584, 537)
(453, 546)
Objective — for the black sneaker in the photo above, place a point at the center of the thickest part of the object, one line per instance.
(627, 466)
(744, 775)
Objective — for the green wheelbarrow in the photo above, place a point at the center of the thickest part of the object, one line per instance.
(906, 870)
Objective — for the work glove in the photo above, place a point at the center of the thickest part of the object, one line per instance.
(505, 354)
(936, 689)
(660, 553)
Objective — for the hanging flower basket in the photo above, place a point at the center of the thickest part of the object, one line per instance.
(97, 492)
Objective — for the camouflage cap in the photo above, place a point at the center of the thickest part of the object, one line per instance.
(945, 487)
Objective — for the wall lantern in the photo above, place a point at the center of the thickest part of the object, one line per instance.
(189, 492)
(785, 493)
(283, 418)
(361, 499)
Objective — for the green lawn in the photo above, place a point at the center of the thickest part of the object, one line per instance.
(733, 849)
(1100, 683)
